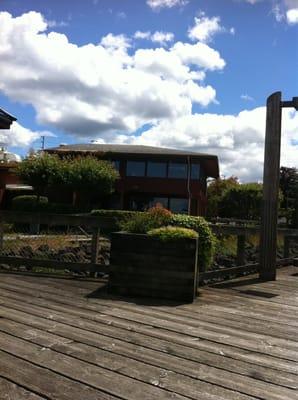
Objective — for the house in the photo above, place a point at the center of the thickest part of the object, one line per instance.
(7, 160)
(150, 175)
(6, 119)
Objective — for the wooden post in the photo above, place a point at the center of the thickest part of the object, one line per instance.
(1, 235)
(240, 249)
(286, 246)
(270, 188)
(95, 245)
(95, 248)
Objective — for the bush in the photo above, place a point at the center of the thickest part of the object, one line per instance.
(29, 203)
(155, 217)
(118, 214)
(89, 175)
(168, 233)
(215, 191)
(207, 241)
(40, 171)
(242, 202)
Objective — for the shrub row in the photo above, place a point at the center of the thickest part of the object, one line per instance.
(32, 203)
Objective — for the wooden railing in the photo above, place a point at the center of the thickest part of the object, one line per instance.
(97, 223)
(242, 231)
(93, 223)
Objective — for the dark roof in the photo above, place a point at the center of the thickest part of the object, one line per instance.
(125, 148)
(5, 119)
(210, 161)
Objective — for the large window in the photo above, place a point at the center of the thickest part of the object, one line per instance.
(116, 164)
(177, 170)
(156, 169)
(135, 168)
(179, 205)
(159, 200)
(195, 171)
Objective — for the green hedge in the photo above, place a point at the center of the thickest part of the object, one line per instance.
(207, 240)
(119, 214)
(169, 233)
(29, 203)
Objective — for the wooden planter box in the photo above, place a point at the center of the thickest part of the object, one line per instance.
(145, 266)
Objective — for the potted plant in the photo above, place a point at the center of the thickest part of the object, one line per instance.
(153, 258)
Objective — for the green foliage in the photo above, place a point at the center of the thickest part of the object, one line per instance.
(289, 186)
(118, 214)
(207, 241)
(29, 203)
(89, 175)
(242, 202)
(155, 217)
(169, 233)
(215, 191)
(40, 172)
(33, 204)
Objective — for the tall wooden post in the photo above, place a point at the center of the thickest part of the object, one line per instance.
(270, 188)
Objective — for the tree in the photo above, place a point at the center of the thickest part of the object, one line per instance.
(215, 192)
(39, 172)
(288, 184)
(242, 201)
(88, 176)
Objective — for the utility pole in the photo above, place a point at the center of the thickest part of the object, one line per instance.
(42, 142)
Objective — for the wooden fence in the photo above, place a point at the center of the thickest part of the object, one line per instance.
(97, 223)
(93, 223)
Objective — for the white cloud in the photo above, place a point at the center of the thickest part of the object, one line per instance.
(205, 28)
(283, 10)
(56, 24)
(253, 1)
(199, 54)
(246, 97)
(162, 37)
(159, 37)
(292, 16)
(100, 88)
(238, 140)
(278, 13)
(20, 136)
(142, 35)
(156, 5)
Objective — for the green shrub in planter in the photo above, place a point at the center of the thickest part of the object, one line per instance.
(168, 233)
(29, 203)
(207, 241)
(155, 217)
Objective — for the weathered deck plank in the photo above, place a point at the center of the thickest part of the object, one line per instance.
(237, 341)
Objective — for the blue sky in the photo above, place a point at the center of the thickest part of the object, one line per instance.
(174, 73)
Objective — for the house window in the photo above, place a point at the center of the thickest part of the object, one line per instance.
(179, 206)
(159, 200)
(195, 171)
(156, 169)
(135, 168)
(177, 170)
(116, 165)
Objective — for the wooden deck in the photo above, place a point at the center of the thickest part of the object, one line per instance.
(66, 339)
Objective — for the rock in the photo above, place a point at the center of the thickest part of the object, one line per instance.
(45, 248)
(26, 252)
